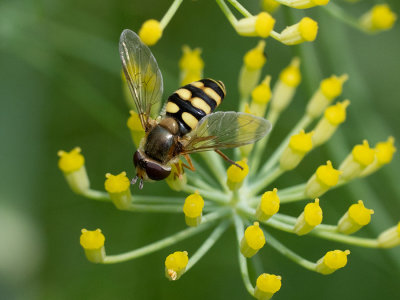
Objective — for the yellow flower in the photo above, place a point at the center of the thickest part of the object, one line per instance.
(322, 180)
(235, 175)
(332, 261)
(118, 187)
(266, 286)
(175, 265)
(298, 147)
(329, 89)
(92, 242)
(309, 218)
(390, 237)
(334, 115)
(150, 32)
(380, 17)
(252, 241)
(355, 218)
(193, 209)
(360, 157)
(268, 206)
(304, 31)
(260, 25)
(72, 164)
(71, 161)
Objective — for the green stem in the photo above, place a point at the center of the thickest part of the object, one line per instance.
(164, 208)
(346, 239)
(103, 196)
(292, 220)
(264, 182)
(204, 174)
(96, 195)
(209, 242)
(215, 164)
(211, 195)
(196, 180)
(275, 35)
(288, 198)
(239, 226)
(289, 253)
(339, 13)
(207, 222)
(293, 189)
(227, 12)
(239, 7)
(170, 13)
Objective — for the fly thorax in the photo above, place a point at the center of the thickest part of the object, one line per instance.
(159, 144)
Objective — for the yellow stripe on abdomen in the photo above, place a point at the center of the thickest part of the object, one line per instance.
(172, 108)
(190, 120)
(201, 104)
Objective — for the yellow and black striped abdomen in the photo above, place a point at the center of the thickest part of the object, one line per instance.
(194, 101)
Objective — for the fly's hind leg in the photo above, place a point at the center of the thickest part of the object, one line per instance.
(189, 160)
(227, 159)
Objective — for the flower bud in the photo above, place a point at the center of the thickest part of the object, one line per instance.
(379, 18)
(360, 157)
(304, 31)
(150, 32)
(302, 4)
(92, 242)
(250, 72)
(135, 127)
(268, 206)
(193, 209)
(309, 218)
(175, 265)
(266, 286)
(384, 152)
(260, 25)
(177, 179)
(72, 164)
(329, 89)
(334, 116)
(285, 88)
(260, 97)
(236, 176)
(118, 187)
(323, 179)
(299, 145)
(390, 237)
(252, 241)
(332, 261)
(355, 218)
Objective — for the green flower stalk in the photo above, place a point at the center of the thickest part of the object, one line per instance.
(249, 198)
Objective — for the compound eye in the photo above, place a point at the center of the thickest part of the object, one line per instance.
(137, 157)
(156, 172)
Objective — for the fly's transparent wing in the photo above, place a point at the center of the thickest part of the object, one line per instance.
(226, 130)
(142, 74)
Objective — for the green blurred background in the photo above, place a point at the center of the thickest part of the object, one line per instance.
(60, 87)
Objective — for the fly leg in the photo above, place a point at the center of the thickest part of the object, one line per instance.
(189, 160)
(227, 158)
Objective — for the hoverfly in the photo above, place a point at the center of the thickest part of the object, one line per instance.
(187, 123)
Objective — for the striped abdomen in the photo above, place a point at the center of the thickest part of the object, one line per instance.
(194, 101)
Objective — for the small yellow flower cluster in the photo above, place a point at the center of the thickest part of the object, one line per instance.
(242, 197)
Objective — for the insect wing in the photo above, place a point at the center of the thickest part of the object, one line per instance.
(226, 130)
(142, 74)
